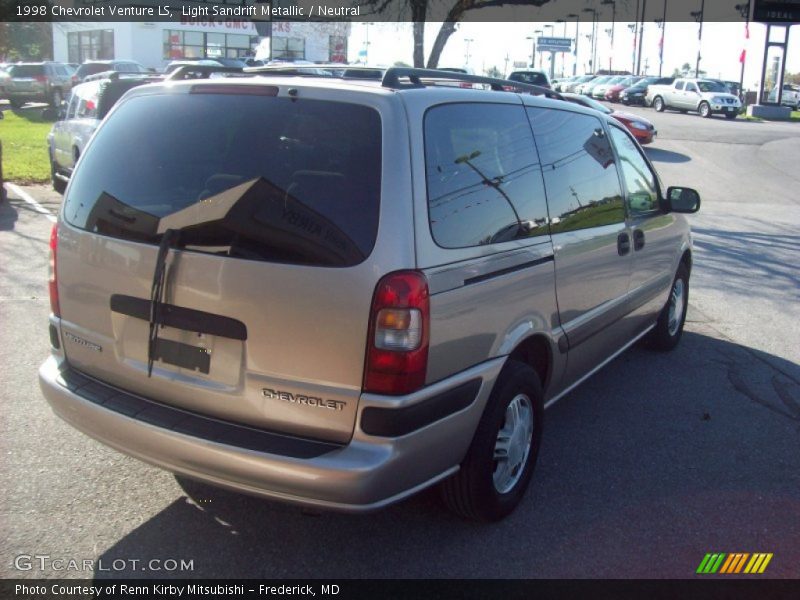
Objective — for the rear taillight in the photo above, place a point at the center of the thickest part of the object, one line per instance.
(397, 345)
(52, 274)
(41, 78)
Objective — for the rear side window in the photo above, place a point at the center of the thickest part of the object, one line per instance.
(246, 176)
(583, 188)
(483, 174)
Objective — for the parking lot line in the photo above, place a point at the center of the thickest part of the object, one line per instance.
(36, 206)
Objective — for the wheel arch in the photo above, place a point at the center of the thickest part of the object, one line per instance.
(536, 351)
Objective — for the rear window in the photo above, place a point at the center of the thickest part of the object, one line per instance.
(26, 70)
(246, 176)
(530, 78)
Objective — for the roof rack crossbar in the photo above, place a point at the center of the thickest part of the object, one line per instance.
(392, 79)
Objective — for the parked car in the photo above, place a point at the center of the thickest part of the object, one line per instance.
(599, 91)
(48, 82)
(637, 93)
(586, 88)
(701, 95)
(642, 129)
(4, 77)
(571, 86)
(246, 199)
(613, 91)
(78, 119)
(93, 67)
(201, 62)
(790, 96)
(531, 77)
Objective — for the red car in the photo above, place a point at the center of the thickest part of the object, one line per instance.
(612, 93)
(642, 129)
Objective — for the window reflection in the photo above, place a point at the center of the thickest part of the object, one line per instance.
(578, 165)
(639, 180)
(484, 180)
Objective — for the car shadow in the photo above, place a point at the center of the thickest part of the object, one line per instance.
(8, 215)
(770, 258)
(656, 460)
(37, 114)
(667, 156)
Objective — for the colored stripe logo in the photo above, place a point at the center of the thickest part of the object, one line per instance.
(737, 562)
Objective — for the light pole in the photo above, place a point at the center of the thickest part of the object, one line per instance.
(468, 41)
(577, 37)
(594, 27)
(563, 35)
(613, 4)
(633, 27)
(698, 15)
(533, 39)
(552, 54)
(641, 37)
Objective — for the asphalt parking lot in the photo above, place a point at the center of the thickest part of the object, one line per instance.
(652, 463)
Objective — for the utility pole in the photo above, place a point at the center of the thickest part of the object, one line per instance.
(698, 15)
(635, 29)
(466, 55)
(577, 37)
(613, 4)
(594, 27)
(641, 37)
(505, 68)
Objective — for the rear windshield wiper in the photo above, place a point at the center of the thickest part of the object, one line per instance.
(157, 292)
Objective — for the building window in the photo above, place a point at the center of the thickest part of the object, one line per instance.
(196, 44)
(90, 45)
(337, 49)
(288, 48)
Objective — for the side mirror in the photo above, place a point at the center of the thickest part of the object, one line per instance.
(682, 200)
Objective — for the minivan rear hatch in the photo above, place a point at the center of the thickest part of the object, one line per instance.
(214, 254)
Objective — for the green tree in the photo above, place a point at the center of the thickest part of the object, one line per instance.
(25, 41)
(494, 72)
(451, 12)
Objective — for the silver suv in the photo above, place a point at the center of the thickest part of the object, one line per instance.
(48, 82)
(337, 293)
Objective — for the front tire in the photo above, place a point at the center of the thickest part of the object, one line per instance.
(500, 461)
(705, 110)
(669, 327)
(658, 104)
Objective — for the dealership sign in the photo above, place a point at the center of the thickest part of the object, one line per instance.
(552, 44)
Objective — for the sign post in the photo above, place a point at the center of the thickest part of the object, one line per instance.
(553, 45)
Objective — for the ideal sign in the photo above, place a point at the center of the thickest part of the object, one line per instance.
(552, 44)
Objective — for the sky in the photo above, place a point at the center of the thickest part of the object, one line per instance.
(722, 44)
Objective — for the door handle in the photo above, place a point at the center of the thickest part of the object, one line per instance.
(638, 239)
(623, 243)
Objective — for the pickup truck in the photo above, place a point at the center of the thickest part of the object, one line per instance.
(790, 96)
(701, 95)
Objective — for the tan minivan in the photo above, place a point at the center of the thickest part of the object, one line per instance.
(337, 293)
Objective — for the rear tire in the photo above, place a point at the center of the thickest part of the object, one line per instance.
(59, 185)
(500, 461)
(669, 327)
(705, 110)
(658, 104)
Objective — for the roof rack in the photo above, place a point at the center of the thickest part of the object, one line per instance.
(338, 70)
(394, 76)
(200, 72)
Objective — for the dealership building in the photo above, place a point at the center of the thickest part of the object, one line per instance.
(155, 44)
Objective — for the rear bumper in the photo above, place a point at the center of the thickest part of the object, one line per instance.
(368, 473)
